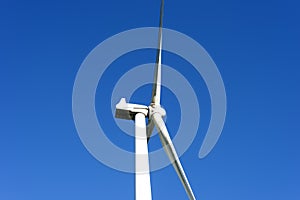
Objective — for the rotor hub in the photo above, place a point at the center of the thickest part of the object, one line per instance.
(156, 109)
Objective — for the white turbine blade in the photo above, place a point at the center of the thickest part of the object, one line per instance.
(156, 88)
(170, 150)
(142, 176)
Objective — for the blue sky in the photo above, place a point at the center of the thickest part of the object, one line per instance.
(255, 45)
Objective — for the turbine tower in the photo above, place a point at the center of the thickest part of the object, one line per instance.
(155, 113)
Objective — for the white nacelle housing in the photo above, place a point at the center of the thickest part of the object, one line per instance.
(128, 110)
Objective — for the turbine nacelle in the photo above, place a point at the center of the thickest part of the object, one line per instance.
(128, 111)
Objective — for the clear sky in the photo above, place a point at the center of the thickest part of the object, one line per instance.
(255, 45)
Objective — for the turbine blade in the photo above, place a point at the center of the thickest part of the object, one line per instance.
(156, 88)
(170, 150)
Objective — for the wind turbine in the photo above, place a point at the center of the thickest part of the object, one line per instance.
(155, 113)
